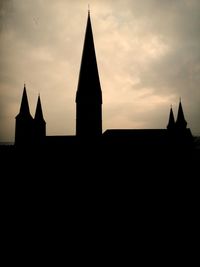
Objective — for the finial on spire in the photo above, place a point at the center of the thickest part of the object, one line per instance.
(88, 9)
(171, 106)
(179, 99)
(24, 85)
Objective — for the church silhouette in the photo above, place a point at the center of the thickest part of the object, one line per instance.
(119, 170)
(32, 131)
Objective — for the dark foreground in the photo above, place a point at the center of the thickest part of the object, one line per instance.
(141, 202)
(100, 163)
(96, 175)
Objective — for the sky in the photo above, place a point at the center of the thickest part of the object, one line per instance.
(148, 55)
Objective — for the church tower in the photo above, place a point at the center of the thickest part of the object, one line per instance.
(89, 95)
(24, 123)
(39, 123)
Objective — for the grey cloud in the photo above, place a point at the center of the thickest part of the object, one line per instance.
(41, 44)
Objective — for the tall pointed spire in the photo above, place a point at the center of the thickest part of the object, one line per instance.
(24, 108)
(171, 123)
(38, 112)
(180, 121)
(89, 83)
(89, 95)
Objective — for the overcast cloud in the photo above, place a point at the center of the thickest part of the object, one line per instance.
(148, 54)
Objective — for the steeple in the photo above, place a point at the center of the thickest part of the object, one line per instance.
(39, 123)
(24, 123)
(38, 112)
(89, 95)
(171, 123)
(180, 121)
(24, 108)
(89, 86)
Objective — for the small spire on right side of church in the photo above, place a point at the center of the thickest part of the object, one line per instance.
(171, 123)
(38, 111)
(181, 123)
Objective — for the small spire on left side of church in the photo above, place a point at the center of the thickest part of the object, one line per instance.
(24, 108)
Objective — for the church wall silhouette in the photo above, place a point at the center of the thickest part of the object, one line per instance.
(32, 131)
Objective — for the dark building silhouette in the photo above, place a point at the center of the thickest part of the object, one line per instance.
(29, 131)
(125, 173)
(89, 96)
(89, 116)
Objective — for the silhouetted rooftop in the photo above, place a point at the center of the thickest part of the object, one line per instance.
(135, 132)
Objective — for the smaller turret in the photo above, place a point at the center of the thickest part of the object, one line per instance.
(171, 123)
(181, 123)
(24, 123)
(39, 123)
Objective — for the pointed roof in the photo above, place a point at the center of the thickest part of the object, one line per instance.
(24, 108)
(171, 122)
(89, 83)
(180, 121)
(38, 112)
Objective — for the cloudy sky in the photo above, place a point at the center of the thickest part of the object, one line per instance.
(148, 55)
